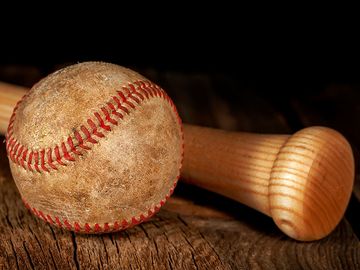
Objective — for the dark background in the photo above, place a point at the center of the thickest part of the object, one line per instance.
(291, 49)
(259, 60)
(274, 78)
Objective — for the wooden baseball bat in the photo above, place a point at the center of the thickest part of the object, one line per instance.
(303, 181)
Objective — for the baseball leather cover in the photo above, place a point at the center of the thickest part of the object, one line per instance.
(95, 147)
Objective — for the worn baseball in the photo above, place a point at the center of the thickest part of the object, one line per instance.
(95, 147)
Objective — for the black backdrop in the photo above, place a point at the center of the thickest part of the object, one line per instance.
(263, 54)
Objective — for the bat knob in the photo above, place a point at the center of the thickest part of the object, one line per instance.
(311, 183)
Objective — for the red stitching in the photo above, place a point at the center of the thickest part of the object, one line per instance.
(11, 144)
(50, 160)
(134, 98)
(36, 157)
(29, 161)
(140, 88)
(133, 89)
(35, 212)
(23, 159)
(124, 99)
(49, 219)
(152, 89)
(42, 153)
(19, 154)
(120, 106)
(116, 226)
(80, 141)
(77, 227)
(101, 122)
(26, 205)
(41, 214)
(58, 156)
(113, 110)
(134, 221)
(130, 93)
(87, 227)
(14, 150)
(72, 147)
(97, 228)
(124, 224)
(147, 88)
(12, 140)
(58, 222)
(107, 116)
(94, 130)
(67, 224)
(88, 135)
(66, 153)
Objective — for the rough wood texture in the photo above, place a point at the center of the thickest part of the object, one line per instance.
(195, 229)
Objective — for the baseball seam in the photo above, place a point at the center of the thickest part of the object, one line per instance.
(100, 228)
(43, 160)
(82, 140)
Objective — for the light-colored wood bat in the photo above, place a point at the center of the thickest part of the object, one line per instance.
(303, 181)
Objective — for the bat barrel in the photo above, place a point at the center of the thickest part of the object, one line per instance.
(303, 181)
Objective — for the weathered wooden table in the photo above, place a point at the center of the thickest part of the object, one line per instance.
(197, 229)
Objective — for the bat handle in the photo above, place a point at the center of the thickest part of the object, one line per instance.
(9, 96)
(303, 181)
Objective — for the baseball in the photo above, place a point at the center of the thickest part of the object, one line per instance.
(95, 147)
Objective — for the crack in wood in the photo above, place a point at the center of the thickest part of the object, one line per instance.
(75, 255)
(53, 260)
(15, 254)
(106, 252)
(7, 216)
(28, 255)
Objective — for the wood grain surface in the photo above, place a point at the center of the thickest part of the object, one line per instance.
(196, 229)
